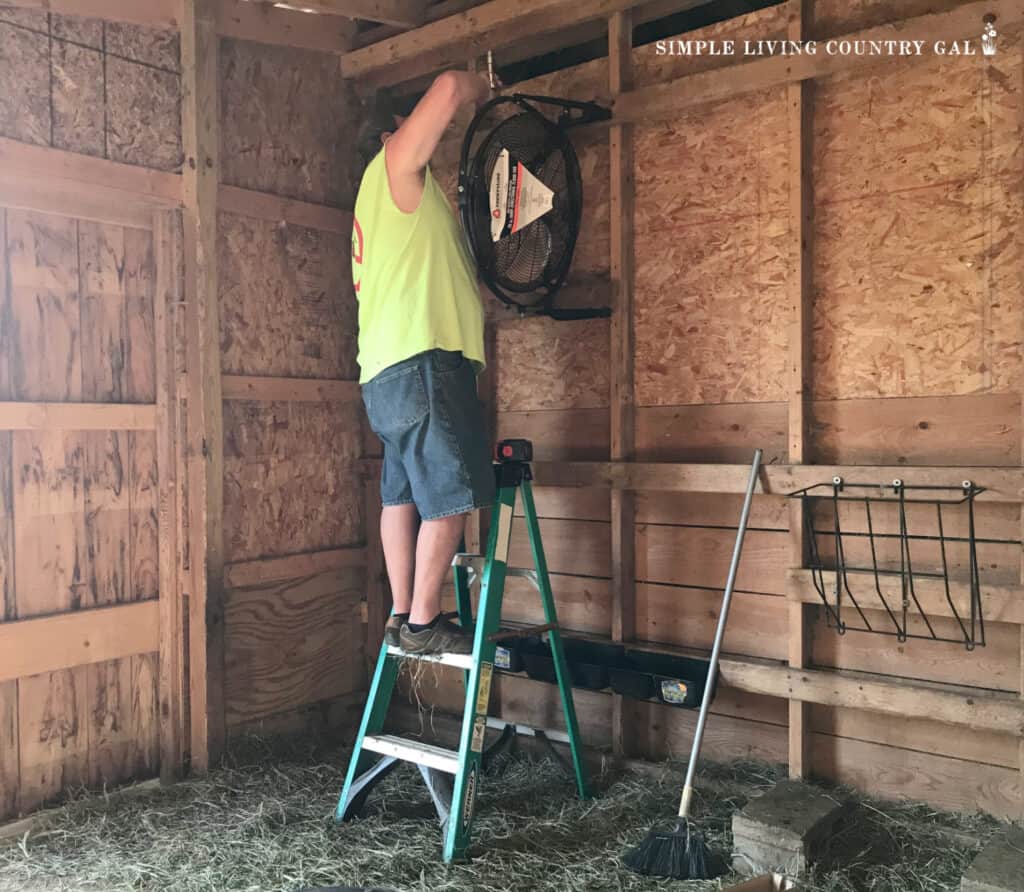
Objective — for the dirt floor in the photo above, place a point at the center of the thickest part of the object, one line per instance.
(262, 823)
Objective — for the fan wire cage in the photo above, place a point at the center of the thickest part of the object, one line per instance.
(878, 554)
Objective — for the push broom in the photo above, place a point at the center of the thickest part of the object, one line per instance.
(681, 852)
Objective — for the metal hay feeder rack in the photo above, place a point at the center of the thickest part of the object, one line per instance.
(865, 585)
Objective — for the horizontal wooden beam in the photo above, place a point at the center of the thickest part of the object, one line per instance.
(1000, 603)
(307, 390)
(263, 205)
(67, 198)
(263, 23)
(435, 11)
(155, 13)
(78, 638)
(667, 99)
(1002, 484)
(458, 38)
(951, 704)
(243, 574)
(159, 190)
(78, 416)
(403, 13)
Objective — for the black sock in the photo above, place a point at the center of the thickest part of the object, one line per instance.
(401, 617)
(419, 627)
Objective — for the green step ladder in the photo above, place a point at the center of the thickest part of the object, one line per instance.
(453, 777)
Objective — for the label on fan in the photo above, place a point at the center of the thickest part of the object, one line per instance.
(517, 197)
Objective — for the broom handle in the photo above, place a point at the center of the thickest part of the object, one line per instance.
(684, 802)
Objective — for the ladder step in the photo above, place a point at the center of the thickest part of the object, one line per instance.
(462, 661)
(413, 751)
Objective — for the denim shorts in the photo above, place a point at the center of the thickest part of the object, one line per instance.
(436, 451)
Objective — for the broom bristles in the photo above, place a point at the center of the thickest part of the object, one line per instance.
(678, 854)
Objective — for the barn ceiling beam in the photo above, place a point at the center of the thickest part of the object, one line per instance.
(403, 13)
(454, 40)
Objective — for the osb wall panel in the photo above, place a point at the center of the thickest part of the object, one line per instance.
(543, 364)
(835, 17)
(918, 171)
(80, 524)
(712, 237)
(292, 643)
(287, 120)
(98, 88)
(290, 481)
(286, 301)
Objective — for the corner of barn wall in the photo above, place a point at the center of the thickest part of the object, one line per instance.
(294, 646)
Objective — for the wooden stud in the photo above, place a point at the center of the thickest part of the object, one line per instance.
(801, 223)
(200, 115)
(167, 294)
(622, 349)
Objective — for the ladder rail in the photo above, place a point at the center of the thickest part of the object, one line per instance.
(562, 673)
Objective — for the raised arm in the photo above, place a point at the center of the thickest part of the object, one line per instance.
(409, 149)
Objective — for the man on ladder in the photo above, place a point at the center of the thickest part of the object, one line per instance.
(420, 350)
(420, 346)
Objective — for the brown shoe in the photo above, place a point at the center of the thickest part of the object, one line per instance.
(392, 627)
(443, 637)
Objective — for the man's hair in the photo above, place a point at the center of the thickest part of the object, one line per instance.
(378, 118)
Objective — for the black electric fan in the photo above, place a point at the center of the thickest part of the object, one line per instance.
(521, 200)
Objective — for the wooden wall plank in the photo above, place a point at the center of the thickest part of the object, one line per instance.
(900, 774)
(53, 724)
(699, 556)
(245, 574)
(621, 397)
(982, 429)
(718, 433)
(243, 20)
(43, 268)
(286, 211)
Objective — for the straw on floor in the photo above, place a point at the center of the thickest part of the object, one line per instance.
(262, 824)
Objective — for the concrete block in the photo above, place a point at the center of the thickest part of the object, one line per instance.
(784, 830)
(999, 867)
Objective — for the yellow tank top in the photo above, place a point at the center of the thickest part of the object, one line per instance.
(413, 276)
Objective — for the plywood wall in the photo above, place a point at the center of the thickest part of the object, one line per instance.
(917, 320)
(291, 478)
(80, 522)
